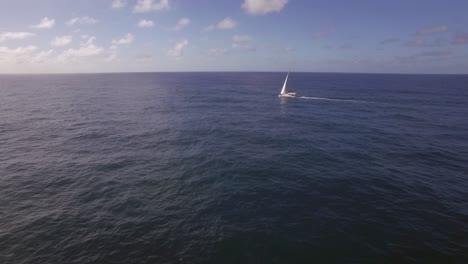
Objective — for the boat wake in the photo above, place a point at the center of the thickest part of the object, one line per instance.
(331, 99)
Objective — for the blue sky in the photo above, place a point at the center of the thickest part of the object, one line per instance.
(398, 36)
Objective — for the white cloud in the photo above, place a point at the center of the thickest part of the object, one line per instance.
(18, 50)
(16, 55)
(183, 22)
(145, 23)
(82, 21)
(45, 23)
(241, 38)
(432, 30)
(227, 23)
(111, 54)
(14, 35)
(127, 39)
(178, 49)
(87, 49)
(144, 6)
(116, 4)
(262, 7)
(83, 51)
(61, 41)
(87, 52)
(42, 57)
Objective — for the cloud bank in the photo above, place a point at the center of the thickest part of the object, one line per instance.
(14, 35)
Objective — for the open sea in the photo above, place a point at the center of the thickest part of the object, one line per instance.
(215, 168)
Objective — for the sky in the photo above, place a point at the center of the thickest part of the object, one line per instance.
(68, 36)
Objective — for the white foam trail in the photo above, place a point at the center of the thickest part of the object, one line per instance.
(330, 99)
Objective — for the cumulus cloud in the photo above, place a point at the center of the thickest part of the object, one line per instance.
(16, 55)
(42, 57)
(178, 49)
(83, 51)
(117, 4)
(432, 30)
(31, 55)
(45, 23)
(241, 38)
(82, 21)
(461, 38)
(18, 50)
(61, 41)
(24, 54)
(227, 23)
(14, 35)
(87, 49)
(183, 22)
(144, 6)
(145, 23)
(262, 7)
(127, 39)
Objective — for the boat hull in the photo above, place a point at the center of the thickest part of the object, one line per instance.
(288, 95)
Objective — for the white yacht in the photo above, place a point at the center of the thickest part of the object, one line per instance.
(284, 92)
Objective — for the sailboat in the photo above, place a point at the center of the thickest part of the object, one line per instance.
(284, 92)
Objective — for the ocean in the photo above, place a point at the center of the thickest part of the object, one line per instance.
(215, 168)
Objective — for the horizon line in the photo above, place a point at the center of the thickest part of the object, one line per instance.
(128, 72)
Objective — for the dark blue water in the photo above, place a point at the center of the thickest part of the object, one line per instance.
(215, 168)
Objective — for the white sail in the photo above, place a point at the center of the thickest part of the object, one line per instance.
(283, 91)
